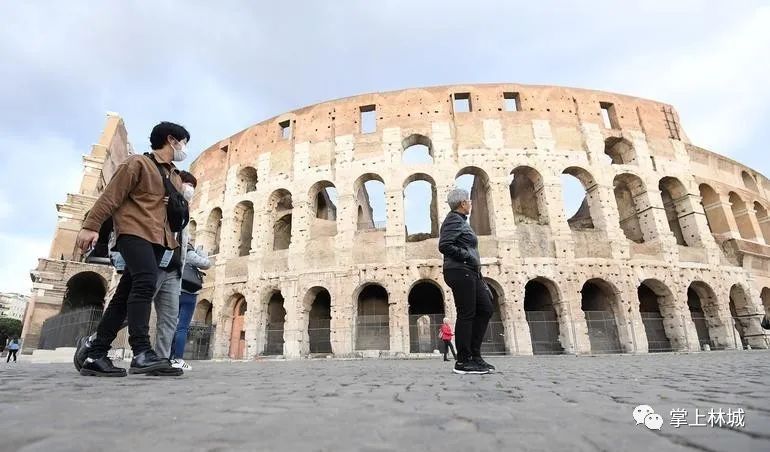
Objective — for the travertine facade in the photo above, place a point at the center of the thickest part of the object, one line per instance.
(668, 250)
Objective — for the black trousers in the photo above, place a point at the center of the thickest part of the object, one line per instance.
(132, 299)
(11, 352)
(473, 303)
(448, 346)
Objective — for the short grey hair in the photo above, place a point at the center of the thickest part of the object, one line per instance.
(456, 197)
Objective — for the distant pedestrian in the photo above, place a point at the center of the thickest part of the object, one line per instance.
(13, 349)
(462, 273)
(446, 336)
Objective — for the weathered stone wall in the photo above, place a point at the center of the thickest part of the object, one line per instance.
(555, 131)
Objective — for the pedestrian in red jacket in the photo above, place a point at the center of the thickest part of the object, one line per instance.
(446, 333)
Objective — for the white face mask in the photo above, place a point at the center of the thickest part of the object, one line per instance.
(187, 192)
(181, 153)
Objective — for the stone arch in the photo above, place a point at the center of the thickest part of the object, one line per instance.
(599, 302)
(84, 290)
(589, 213)
(280, 207)
(704, 312)
(243, 219)
(417, 149)
(763, 220)
(620, 151)
(749, 182)
(765, 297)
(324, 198)
(246, 181)
(420, 213)
(214, 228)
(742, 314)
(237, 328)
(426, 313)
(712, 206)
(317, 305)
(372, 317)
(276, 321)
(371, 211)
(528, 196)
(494, 339)
(676, 205)
(540, 312)
(203, 312)
(632, 201)
(657, 308)
(476, 181)
(742, 219)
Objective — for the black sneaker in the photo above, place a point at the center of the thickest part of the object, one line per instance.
(148, 361)
(170, 372)
(82, 346)
(469, 367)
(480, 361)
(101, 367)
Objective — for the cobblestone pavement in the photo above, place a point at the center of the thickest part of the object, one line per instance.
(562, 403)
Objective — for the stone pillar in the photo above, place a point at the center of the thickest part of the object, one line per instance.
(395, 235)
(346, 228)
(294, 329)
(343, 310)
(610, 221)
(399, 318)
(505, 226)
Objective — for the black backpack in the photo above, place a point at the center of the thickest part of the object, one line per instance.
(178, 209)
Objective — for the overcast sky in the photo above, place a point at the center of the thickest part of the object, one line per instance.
(218, 67)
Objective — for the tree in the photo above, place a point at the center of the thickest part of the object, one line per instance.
(9, 328)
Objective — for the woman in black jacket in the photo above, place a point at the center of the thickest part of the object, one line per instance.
(462, 272)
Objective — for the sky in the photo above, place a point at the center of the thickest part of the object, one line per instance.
(218, 67)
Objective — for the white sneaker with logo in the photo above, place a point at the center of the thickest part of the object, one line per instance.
(180, 364)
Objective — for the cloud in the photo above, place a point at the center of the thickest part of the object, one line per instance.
(20, 255)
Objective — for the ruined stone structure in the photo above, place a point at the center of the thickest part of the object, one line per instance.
(307, 216)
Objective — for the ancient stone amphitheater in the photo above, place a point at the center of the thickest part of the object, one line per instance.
(305, 214)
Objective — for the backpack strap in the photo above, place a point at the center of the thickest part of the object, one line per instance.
(164, 175)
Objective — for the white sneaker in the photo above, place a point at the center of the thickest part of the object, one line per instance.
(180, 364)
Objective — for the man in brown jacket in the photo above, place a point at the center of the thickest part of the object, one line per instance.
(136, 200)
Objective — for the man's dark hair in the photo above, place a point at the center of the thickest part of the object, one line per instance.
(163, 130)
(188, 178)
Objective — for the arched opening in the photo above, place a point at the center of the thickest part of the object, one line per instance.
(281, 208)
(319, 320)
(712, 206)
(581, 202)
(420, 208)
(652, 294)
(85, 290)
(373, 319)
(741, 215)
(324, 198)
(426, 313)
(370, 203)
(276, 319)
(494, 339)
(476, 182)
(238, 328)
(247, 181)
(749, 182)
(740, 310)
(765, 297)
(675, 198)
(628, 191)
(203, 312)
(527, 196)
(541, 317)
(620, 151)
(243, 216)
(597, 301)
(701, 301)
(214, 226)
(763, 220)
(418, 149)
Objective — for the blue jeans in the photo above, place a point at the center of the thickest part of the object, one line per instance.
(186, 310)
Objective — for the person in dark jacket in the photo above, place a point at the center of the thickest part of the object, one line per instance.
(462, 272)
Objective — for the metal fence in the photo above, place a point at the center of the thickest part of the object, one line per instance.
(63, 330)
(423, 333)
(199, 339)
(319, 333)
(602, 332)
(274, 345)
(372, 332)
(372, 226)
(544, 332)
(657, 341)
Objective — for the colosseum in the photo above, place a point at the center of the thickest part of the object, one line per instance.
(323, 225)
